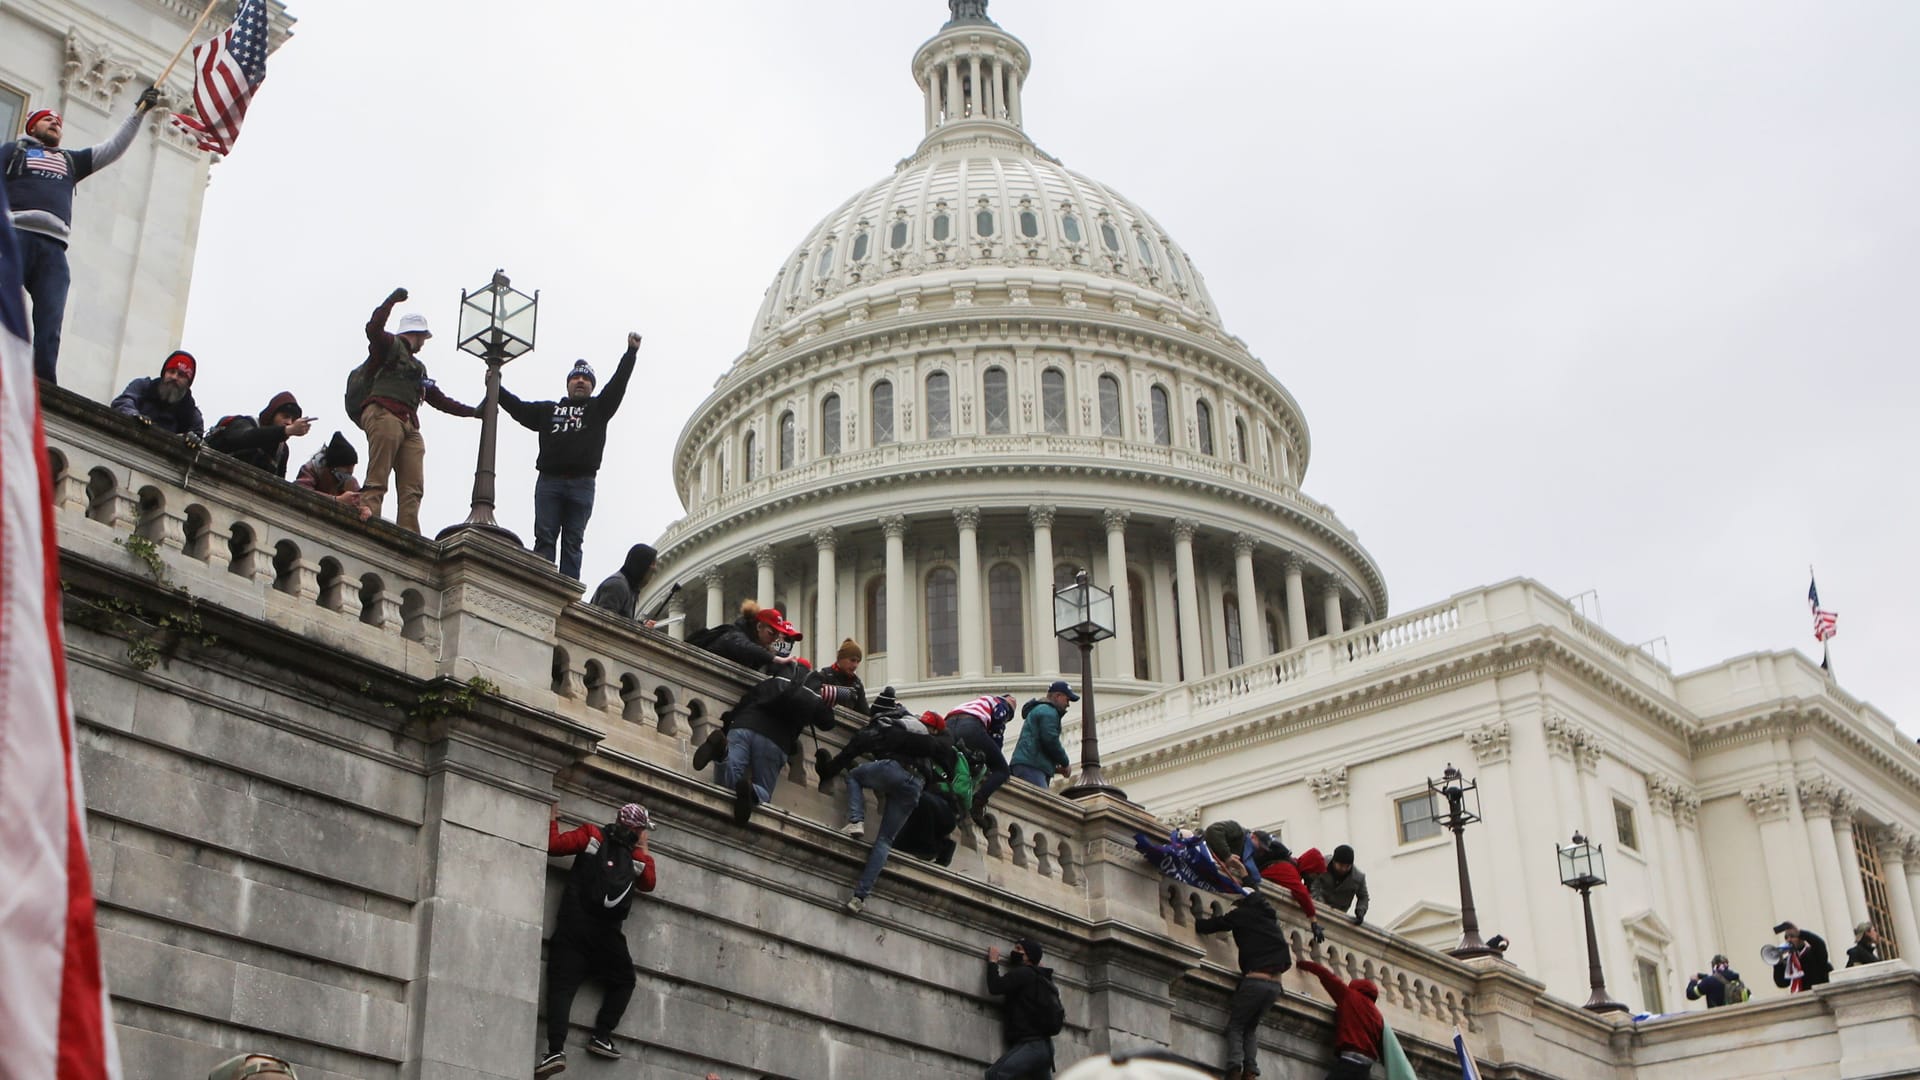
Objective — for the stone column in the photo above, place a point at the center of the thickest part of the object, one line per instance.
(716, 595)
(1666, 863)
(763, 561)
(1253, 619)
(1913, 892)
(1330, 597)
(1296, 604)
(955, 111)
(677, 609)
(975, 97)
(901, 664)
(1786, 856)
(933, 102)
(1040, 572)
(1190, 654)
(993, 90)
(1121, 648)
(826, 609)
(1693, 858)
(1892, 845)
(1816, 805)
(973, 628)
(1855, 886)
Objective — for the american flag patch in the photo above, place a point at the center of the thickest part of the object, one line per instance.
(46, 164)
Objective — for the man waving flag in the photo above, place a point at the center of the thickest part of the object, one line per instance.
(227, 70)
(53, 1002)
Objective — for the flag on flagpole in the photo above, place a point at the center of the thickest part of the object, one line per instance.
(1468, 1070)
(227, 70)
(1394, 1058)
(53, 1002)
(1825, 623)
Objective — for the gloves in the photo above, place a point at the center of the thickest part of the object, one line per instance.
(192, 440)
(145, 421)
(397, 296)
(148, 99)
(1359, 919)
(1319, 933)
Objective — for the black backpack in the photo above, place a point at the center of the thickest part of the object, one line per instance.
(605, 876)
(1049, 1012)
(709, 637)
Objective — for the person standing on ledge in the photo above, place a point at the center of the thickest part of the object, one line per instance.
(1038, 756)
(383, 396)
(40, 178)
(573, 438)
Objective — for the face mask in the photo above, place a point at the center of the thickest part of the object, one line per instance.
(783, 647)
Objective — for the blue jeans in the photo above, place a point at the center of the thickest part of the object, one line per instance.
(750, 753)
(899, 789)
(1032, 774)
(561, 507)
(1029, 1059)
(43, 266)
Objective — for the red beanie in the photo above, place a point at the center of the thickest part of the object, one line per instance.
(1311, 861)
(37, 116)
(182, 359)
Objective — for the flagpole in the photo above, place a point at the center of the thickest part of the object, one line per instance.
(182, 51)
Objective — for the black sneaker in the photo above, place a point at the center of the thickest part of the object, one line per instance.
(710, 749)
(552, 1063)
(947, 848)
(743, 800)
(601, 1046)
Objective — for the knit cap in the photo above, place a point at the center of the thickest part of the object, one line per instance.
(581, 367)
(850, 650)
(184, 361)
(635, 816)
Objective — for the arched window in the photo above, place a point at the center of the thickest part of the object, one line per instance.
(1063, 574)
(939, 405)
(1070, 228)
(1240, 440)
(1053, 401)
(746, 458)
(1004, 616)
(1146, 248)
(943, 622)
(1137, 607)
(1029, 224)
(859, 246)
(786, 440)
(882, 410)
(830, 424)
(1162, 415)
(825, 264)
(1110, 407)
(1236, 647)
(994, 401)
(1203, 421)
(942, 226)
(897, 235)
(876, 615)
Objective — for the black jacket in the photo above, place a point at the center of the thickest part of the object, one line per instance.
(1020, 986)
(180, 418)
(1813, 961)
(1713, 987)
(781, 707)
(1863, 952)
(619, 593)
(738, 644)
(246, 440)
(1256, 933)
(573, 438)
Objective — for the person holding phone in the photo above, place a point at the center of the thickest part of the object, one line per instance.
(262, 441)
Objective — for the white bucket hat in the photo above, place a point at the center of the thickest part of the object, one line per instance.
(414, 324)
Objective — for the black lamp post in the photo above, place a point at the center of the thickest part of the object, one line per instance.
(1462, 797)
(496, 325)
(1083, 614)
(1581, 868)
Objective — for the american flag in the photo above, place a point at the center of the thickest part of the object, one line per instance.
(1825, 623)
(228, 70)
(51, 162)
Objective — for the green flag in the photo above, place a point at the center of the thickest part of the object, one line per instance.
(1398, 1067)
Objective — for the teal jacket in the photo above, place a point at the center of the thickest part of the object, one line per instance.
(1040, 738)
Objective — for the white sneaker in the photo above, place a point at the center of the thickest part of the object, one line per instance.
(854, 906)
(855, 829)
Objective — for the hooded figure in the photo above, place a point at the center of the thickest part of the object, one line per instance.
(620, 592)
(1357, 1026)
(165, 402)
(261, 442)
(330, 472)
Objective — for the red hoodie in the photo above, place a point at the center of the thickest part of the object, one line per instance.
(1356, 1019)
(1286, 874)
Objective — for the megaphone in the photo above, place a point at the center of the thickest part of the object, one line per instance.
(1772, 954)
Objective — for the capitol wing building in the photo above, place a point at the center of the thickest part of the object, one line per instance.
(987, 371)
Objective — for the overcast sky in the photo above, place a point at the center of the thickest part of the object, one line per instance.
(1615, 296)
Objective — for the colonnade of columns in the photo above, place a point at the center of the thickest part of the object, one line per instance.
(1186, 589)
(974, 85)
(1827, 819)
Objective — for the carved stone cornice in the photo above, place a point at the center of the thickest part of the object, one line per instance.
(1817, 795)
(1243, 545)
(1329, 785)
(1490, 742)
(966, 517)
(1769, 802)
(716, 577)
(1116, 520)
(894, 526)
(1570, 740)
(825, 539)
(763, 557)
(1185, 817)
(1041, 517)
(1294, 566)
(93, 72)
(1892, 841)
(1843, 804)
(1686, 809)
(1662, 793)
(1184, 528)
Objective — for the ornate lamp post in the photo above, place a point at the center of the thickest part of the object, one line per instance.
(1462, 798)
(1083, 614)
(1581, 868)
(496, 325)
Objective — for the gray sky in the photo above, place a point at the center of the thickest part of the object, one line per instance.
(1615, 296)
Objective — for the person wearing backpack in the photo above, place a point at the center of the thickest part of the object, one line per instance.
(1038, 755)
(610, 863)
(1264, 957)
(898, 773)
(261, 441)
(1031, 1012)
(573, 438)
(762, 731)
(1719, 985)
(384, 395)
(980, 725)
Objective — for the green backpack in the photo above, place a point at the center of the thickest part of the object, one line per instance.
(961, 782)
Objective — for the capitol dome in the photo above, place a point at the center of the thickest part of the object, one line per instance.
(974, 378)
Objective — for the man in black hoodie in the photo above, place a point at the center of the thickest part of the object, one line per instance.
(1264, 957)
(620, 592)
(573, 437)
(1028, 992)
(261, 442)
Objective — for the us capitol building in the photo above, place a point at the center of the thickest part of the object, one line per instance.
(986, 371)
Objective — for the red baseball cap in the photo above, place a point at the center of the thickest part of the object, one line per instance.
(773, 618)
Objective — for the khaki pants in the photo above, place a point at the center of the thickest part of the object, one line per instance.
(395, 446)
